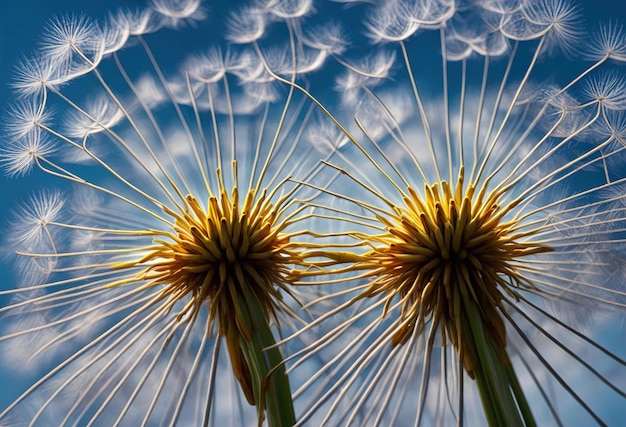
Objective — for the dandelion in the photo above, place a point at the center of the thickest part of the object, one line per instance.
(483, 193)
(154, 280)
(225, 249)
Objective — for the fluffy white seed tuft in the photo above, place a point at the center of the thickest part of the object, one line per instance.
(177, 13)
(18, 157)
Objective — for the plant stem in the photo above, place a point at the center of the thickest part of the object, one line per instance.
(502, 397)
(269, 379)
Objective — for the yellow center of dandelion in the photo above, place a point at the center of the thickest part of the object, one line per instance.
(443, 252)
(218, 252)
(234, 260)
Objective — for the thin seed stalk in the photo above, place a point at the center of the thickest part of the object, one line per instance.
(503, 400)
(272, 393)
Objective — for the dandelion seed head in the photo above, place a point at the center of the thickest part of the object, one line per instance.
(74, 44)
(258, 93)
(115, 33)
(138, 22)
(65, 34)
(471, 125)
(325, 137)
(281, 62)
(500, 7)
(100, 115)
(33, 218)
(608, 89)
(329, 38)
(563, 114)
(213, 65)
(34, 75)
(377, 66)
(608, 41)
(365, 74)
(378, 119)
(246, 99)
(287, 9)
(615, 126)
(391, 23)
(558, 20)
(464, 37)
(460, 46)
(25, 117)
(446, 248)
(561, 18)
(246, 25)
(518, 26)
(19, 156)
(189, 230)
(215, 253)
(176, 13)
(31, 231)
(430, 13)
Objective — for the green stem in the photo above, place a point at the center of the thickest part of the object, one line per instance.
(521, 397)
(502, 397)
(270, 383)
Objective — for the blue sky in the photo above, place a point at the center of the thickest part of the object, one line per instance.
(20, 26)
(20, 30)
(21, 22)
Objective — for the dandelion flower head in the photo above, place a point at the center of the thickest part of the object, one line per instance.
(484, 182)
(178, 224)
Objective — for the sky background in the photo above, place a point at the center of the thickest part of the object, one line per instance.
(21, 22)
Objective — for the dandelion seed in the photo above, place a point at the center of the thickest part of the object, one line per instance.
(34, 75)
(287, 9)
(609, 90)
(246, 25)
(608, 42)
(65, 37)
(19, 157)
(329, 38)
